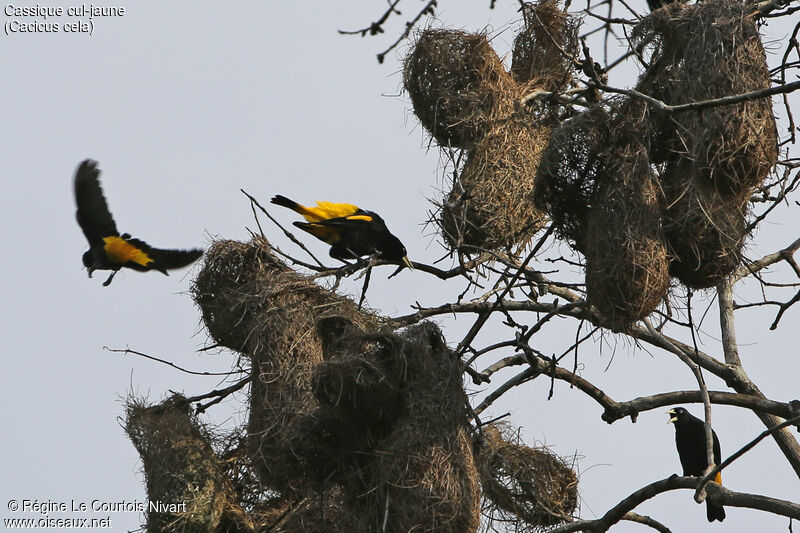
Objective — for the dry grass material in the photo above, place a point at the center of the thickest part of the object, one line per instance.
(392, 433)
(704, 51)
(542, 46)
(367, 429)
(490, 205)
(180, 466)
(255, 304)
(458, 85)
(569, 170)
(627, 271)
(318, 513)
(704, 229)
(527, 488)
(596, 182)
(213, 474)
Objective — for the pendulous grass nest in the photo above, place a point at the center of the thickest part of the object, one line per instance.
(549, 34)
(181, 467)
(571, 165)
(529, 487)
(392, 432)
(700, 52)
(458, 85)
(705, 230)
(490, 204)
(596, 183)
(253, 303)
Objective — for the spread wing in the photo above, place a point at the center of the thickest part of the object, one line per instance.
(144, 257)
(172, 259)
(93, 215)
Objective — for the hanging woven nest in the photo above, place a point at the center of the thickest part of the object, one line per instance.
(701, 52)
(458, 86)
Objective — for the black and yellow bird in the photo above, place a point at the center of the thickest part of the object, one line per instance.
(352, 232)
(108, 250)
(690, 438)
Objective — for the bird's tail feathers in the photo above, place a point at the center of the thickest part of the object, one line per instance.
(282, 201)
(310, 215)
(714, 512)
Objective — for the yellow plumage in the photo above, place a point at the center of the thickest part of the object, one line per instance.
(326, 210)
(121, 251)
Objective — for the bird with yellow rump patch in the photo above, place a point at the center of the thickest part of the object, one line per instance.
(108, 250)
(351, 231)
(690, 439)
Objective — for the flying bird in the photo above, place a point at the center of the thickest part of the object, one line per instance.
(108, 250)
(690, 438)
(351, 231)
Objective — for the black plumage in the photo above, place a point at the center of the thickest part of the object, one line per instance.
(351, 231)
(690, 439)
(108, 250)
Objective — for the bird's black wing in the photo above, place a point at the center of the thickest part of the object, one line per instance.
(159, 258)
(333, 230)
(164, 259)
(356, 221)
(93, 215)
(172, 259)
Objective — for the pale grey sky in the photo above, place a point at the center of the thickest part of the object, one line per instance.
(185, 103)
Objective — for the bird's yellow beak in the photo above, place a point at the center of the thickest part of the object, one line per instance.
(673, 418)
(407, 263)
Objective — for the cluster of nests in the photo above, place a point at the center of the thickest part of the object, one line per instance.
(465, 98)
(352, 427)
(355, 427)
(645, 195)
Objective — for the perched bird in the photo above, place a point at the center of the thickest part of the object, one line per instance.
(108, 250)
(352, 232)
(690, 438)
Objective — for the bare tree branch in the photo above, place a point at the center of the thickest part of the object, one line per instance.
(427, 10)
(540, 366)
(376, 27)
(647, 521)
(217, 394)
(632, 408)
(744, 449)
(723, 496)
(716, 493)
(715, 102)
(766, 261)
(617, 513)
(725, 302)
(127, 351)
(285, 232)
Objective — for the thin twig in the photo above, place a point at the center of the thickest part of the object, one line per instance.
(744, 449)
(285, 231)
(715, 102)
(127, 351)
(217, 394)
